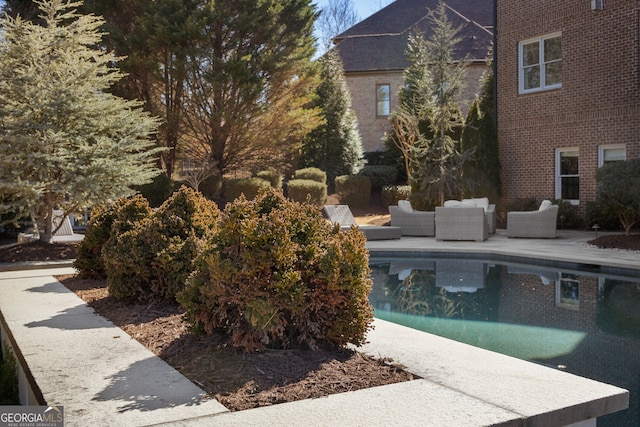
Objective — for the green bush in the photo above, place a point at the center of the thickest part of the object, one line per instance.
(354, 190)
(568, 216)
(390, 194)
(313, 174)
(618, 192)
(211, 187)
(250, 187)
(380, 175)
(523, 204)
(300, 190)
(422, 201)
(274, 177)
(89, 262)
(597, 213)
(154, 257)
(278, 275)
(9, 389)
(157, 191)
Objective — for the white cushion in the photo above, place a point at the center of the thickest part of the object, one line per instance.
(546, 204)
(405, 206)
(481, 202)
(468, 203)
(452, 203)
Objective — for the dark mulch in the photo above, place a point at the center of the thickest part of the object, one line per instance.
(239, 381)
(618, 241)
(39, 251)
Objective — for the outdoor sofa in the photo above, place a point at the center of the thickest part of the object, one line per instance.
(341, 214)
(479, 202)
(461, 223)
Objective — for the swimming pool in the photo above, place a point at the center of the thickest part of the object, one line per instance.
(583, 319)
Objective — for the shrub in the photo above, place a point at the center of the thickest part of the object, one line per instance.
(390, 194)
(278, 275)
(154, 257)
(618, 191)
(211, 187)
(523, 204)
(9, 388)
(568, 216)
(274, 177)
(422, 201)
(300, 190)
(354, 190)
(597, 213)
(157, 191)
(313, 174)
(380, 175)
(250, 187)
(89, 262)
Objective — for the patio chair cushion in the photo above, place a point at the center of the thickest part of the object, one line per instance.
(546, 204)
(405, 206)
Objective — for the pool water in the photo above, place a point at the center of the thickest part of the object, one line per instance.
(581, 319)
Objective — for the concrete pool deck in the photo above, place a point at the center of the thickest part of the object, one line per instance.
(102, 376)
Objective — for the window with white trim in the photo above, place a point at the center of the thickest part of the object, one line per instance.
(567, 174)
(540, 63)
(383, 100)
(611, 153)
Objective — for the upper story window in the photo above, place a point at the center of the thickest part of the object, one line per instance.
(383, 100)
(611, 153)
(540, 62)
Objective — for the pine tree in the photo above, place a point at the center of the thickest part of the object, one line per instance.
(335, 146)
(65, 142)
(433, 84)
(482, 173)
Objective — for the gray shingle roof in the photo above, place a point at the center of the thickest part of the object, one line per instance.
(379, 42)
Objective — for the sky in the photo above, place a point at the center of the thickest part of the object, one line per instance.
(365, 8)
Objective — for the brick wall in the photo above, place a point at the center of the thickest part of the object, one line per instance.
(362, 88)
(598, 103)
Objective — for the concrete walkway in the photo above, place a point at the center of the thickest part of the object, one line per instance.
(102, 376)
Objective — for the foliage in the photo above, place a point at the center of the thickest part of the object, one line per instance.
(311, 173)
(596, 214)
(354, 190)
(89, 262)
(568, 215)
(65, 141)
(380, 175)
(9, 392)
(523, 204)
(274, 177)
(334, 146)
(154, 257)
(250, 187)
(307, 190)
(278, 275)
(392, 193)
(482, 171)
(157, 191)
(249, 78)
(618, 191)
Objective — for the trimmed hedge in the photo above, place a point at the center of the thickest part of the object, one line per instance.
(153, 258)
(278, 275)
(301, 190)
(274, 177)
(313, 174)
(250, 187)
(354, 190)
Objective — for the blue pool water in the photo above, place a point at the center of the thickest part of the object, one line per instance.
(581, 319)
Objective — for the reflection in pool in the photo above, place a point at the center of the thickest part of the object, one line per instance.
(579, 320)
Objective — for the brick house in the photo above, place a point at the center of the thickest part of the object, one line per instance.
(373, 55)
(568, 95)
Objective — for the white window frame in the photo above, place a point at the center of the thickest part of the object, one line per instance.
(603, 148)
(388, 100)
(559, 176)
(541, 64)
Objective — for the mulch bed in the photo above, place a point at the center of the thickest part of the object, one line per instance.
(239, 381)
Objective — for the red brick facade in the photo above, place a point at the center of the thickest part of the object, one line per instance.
(597, 105)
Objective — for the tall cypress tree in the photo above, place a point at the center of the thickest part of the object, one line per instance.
(65, 142)
(335, 146)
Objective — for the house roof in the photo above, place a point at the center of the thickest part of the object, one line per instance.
(379, 43)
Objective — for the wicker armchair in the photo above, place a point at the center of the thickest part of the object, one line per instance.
(540, 224)
(412, 222)
(461, 223)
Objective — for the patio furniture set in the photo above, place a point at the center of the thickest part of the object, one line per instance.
(467, 219)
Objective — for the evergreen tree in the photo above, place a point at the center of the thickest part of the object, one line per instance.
(482, 172)
(335, 146)
(65, 142)
(433, 84)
